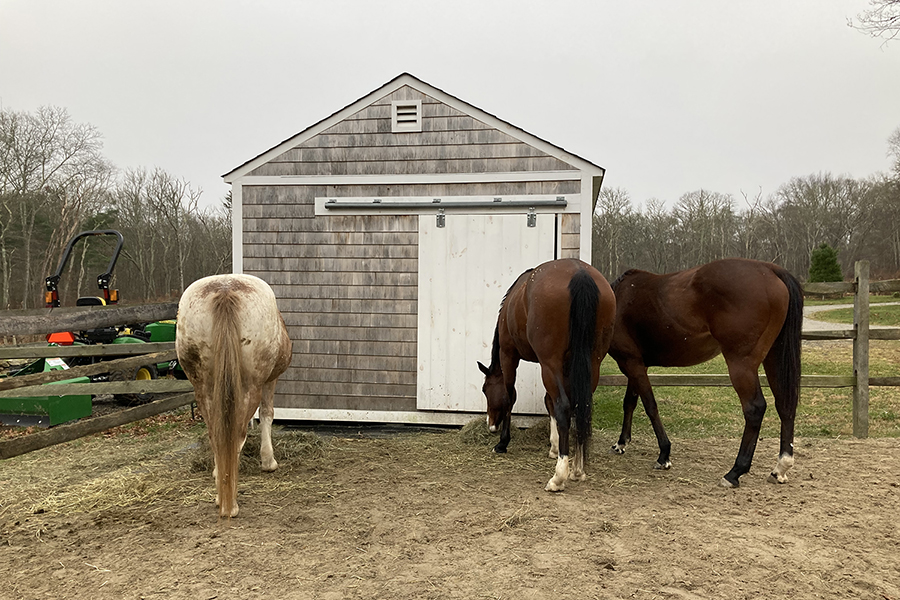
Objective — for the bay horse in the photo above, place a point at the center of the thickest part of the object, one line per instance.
(749, 311)
(233, 345)
(559, 314)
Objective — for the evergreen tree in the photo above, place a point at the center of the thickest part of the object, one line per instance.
(823, 264)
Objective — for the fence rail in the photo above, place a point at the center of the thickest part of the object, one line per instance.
(38, 322)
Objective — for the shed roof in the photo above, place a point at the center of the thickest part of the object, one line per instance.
(405, 79)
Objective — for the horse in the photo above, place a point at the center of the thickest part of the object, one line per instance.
(233, 345)
(559, 314)
(749, 311)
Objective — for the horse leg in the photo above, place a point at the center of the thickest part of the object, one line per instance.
(786, 406)
(505, 435)
(562, 412)
(554, 432)
(577, 473)
(639, 385)
(745, 381)
(202, 400)
(629, 403)
(266, 416)
(509, 366)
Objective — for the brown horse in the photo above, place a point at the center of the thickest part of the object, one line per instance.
(233, 345)
(749, 311)
(559, 314)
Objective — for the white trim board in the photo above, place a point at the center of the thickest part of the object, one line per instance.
(410, 417)
(414, 179)
(237, 229)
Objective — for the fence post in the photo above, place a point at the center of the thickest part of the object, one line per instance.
(861, 351)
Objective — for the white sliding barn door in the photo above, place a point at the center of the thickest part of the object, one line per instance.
(465, 268)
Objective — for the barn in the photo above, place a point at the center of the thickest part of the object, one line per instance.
(390, 232)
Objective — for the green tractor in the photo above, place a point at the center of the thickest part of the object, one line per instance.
(51, 410)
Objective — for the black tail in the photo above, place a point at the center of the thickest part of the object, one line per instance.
(787, 344)
(585, 297)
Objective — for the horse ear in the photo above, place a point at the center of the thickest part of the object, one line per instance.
(483, 368)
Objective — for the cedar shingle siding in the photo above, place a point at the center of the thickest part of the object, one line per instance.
(347, 285)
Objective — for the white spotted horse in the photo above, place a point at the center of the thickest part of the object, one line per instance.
(559, 314)
(749, 311)
(233, 345)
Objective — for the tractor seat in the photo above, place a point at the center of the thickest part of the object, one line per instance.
(103, 335)
(90, 301)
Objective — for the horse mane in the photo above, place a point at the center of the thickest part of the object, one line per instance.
(514, 284)
(495, 345)
(623, 276)
(495, 350)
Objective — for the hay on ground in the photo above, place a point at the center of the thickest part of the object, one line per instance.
(475, 433)
(288, 446)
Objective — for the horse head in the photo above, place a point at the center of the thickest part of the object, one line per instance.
(499, 404)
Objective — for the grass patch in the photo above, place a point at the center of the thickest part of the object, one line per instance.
(878, 315)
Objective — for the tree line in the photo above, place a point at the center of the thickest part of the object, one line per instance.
(859, 218)
(55, 182)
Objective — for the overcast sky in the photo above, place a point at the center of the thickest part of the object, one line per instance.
(669, 96)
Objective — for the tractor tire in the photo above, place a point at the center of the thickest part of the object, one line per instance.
(142, 373)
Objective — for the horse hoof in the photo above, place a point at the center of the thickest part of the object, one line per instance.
(617, 449)
(776, 478)
(553, 454)
(270, 467)
(579, 477)
(499, 450)
(552, 487)
(727, 484)
(663, 466)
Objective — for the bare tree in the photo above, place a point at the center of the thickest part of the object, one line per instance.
(748, 231)
(706, 226)
(140, 226)
(174, 200)
(211, 241)
(881, 19)
(45, 159)
(894, 152)
(815, 209)
(612, 212)
(656, 238)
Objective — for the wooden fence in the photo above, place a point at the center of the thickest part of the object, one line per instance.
(38, 322)
(43, 322)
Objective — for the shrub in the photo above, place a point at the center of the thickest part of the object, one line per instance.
(823, 264)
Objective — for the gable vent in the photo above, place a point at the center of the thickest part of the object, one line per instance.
(406, 115)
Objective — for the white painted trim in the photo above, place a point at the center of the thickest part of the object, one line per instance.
(435, 179)
(585, 237)
(419, 85)
(411, 417)
(237, 229)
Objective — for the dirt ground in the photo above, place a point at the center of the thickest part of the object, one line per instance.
(432, 515)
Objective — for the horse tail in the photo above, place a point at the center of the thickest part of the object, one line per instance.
(226, 433)
(585, 298)
(787, 344)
